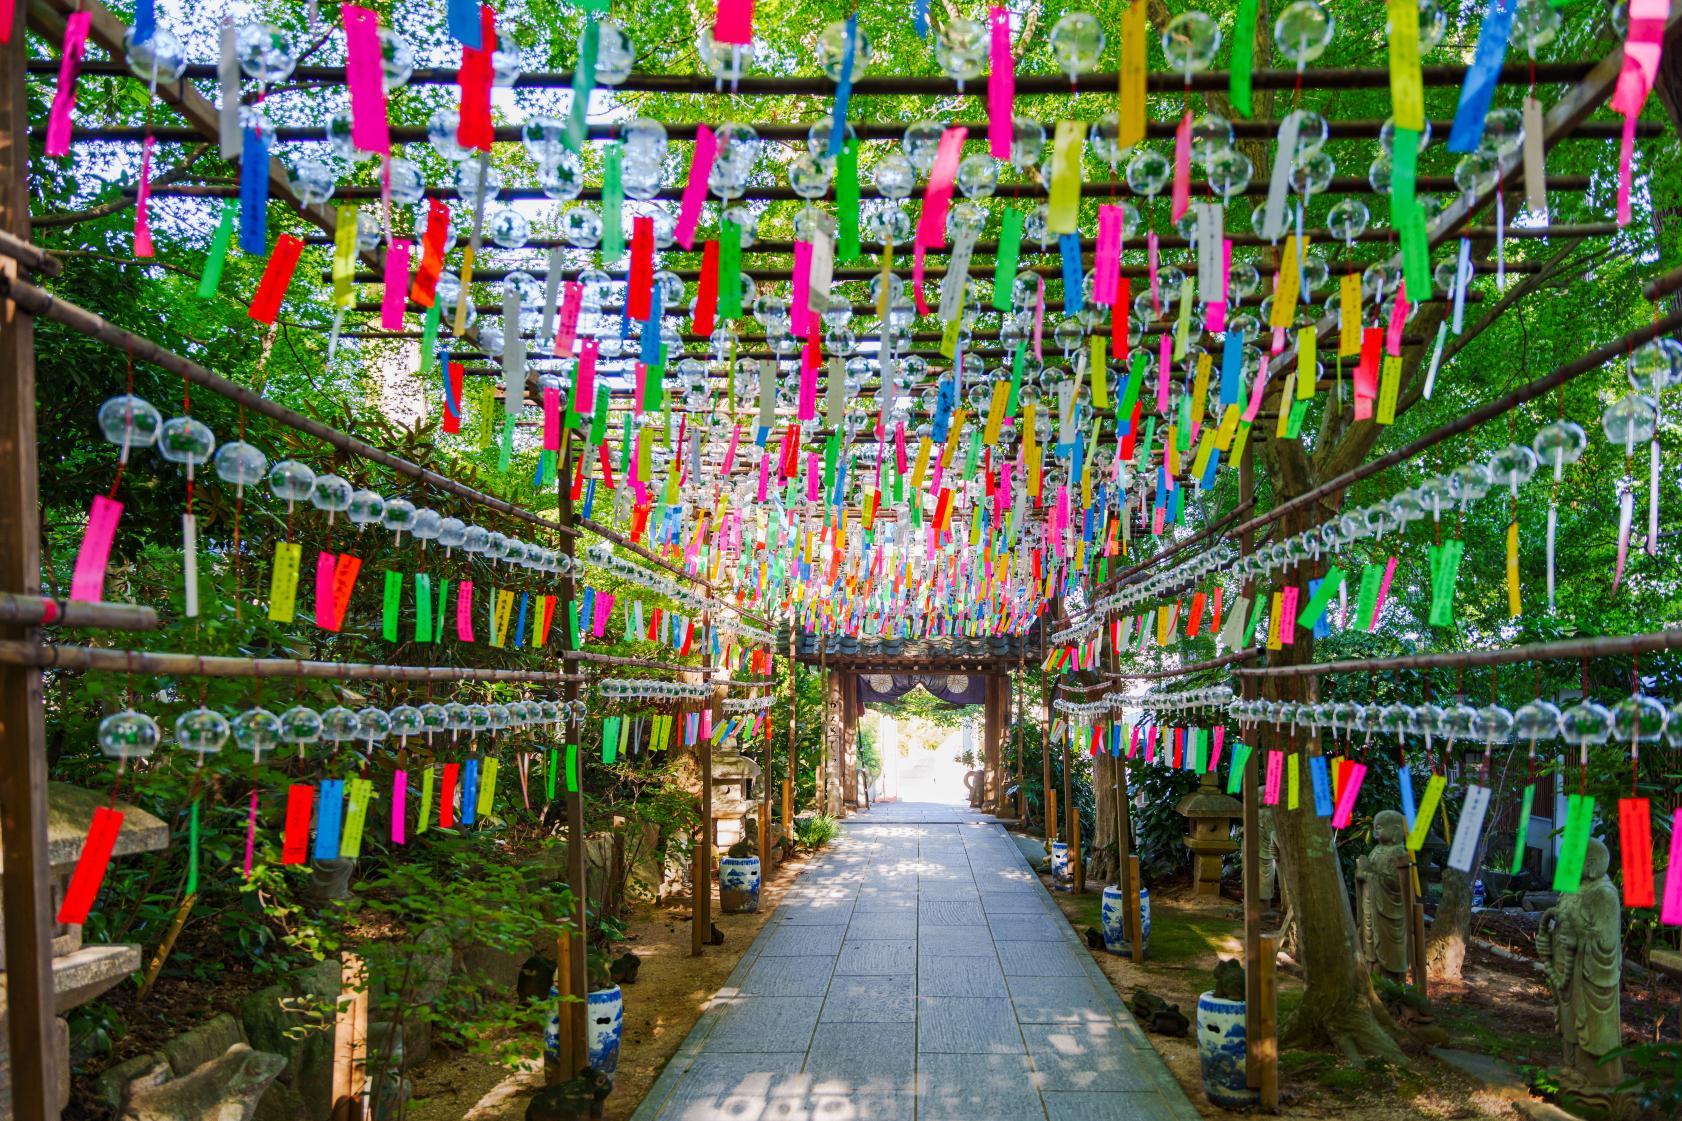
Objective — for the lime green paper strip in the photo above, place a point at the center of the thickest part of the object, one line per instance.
(487, 787)
(393, 604)
(1573, 846)
(549, 774)
(847, 202)
(438, 616)
(1523, 829)
(1255, 619)
(355, 815)
(428, 777)
(1235, 775)
(1017, 360)
(506, 456)
(1371, 576)
(211, 278)
(1404, 174)
(1243, 56)
(1322, 598)
(613, 202)
(1004, 264)
(610, 738)
(598, 423)
(1445, 573)
(572, 768)
(429, 337)
(1427, 807)
(1416, 255)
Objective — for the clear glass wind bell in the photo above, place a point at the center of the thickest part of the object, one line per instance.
(1631, 419)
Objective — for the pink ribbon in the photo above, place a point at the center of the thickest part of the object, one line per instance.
(695, 191)
(1383, 591)
(64, 96)
(734, 22)
(399, 805)
(365, 74)
(551, 418)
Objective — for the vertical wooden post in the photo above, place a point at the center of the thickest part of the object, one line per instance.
(1133, 918)
(24, 890)
(1252, 919)
(350, 1040)
(563, 990)
(1265, 1043)
(701, 923)
(1049, 825)
(823, 740)
(1021, 766)
(1071, 821)
(1127, 881)
(575, 1013)
(793, 751)
(764, 839)
(1413, 909)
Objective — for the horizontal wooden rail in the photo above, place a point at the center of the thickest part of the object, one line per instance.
(44, 611)
(46, 655)
(1570, 649)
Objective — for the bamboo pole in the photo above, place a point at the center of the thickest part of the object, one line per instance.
(48, 655)
(350, 1040)
(559, 1071)
(574, 1012)
(793, 751)
(45, 611)
(701, 913)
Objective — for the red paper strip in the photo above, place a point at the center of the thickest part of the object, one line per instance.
(344, 581)
(452, 415)
(706, 293)
(639, 288)
(475, 77)
(1635, 842)
(277, 275)
(365, 75)
(300, 798)
(424, 289)
(1196, 620)
(447, 798)
(87, 583)
(90, 866)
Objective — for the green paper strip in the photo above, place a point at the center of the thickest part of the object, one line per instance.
(625, 447)
(831, 456)
(1255, 619)
(572, 627)
(1523, 829)
(429, 776)
(847, 201)
(1445, 573)
(429, 337)
(211, 278)
(1004, 264)
(1243, 57)
(1427, 809)
(1182, 429)
(1130, 395)
(598, 423)
(1293, 423)
(487, 787)
(1573, 846)
(572, 768)
(729, 270)
(654, 384)
(549, 775)
(1235, 775)
(613, 202)
(583, 81)
(1416, 256)
(1320, 600)
(974, 453)
(506, 456)
(393, 603)
(438, 616)
(1372, 576)
(193, 849)
(1017, 361)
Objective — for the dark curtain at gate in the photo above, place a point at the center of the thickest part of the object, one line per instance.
(953, 688)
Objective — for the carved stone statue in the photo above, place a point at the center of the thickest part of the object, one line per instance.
(1384, 919)
(1580, 945)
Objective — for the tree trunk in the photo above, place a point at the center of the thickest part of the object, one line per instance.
(1101, 851)
(1445, 949)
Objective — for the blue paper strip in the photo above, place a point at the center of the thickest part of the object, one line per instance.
(329, 818)
(1404, 779)
(1069, 246)
(1322, 780)
(1475, 95)
(470, 792)
(463, 22)
(1232, 368)
(145, 21)
(844, 88)
(520, 627)
(254, 194)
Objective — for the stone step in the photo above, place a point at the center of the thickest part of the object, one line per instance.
(80, 976)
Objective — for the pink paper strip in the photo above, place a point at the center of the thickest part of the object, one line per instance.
(566, 327)
(814, 477)
(87, 582)
(1150, 744)
(1215, 316)
(640, 386)
(250, 833)
(1257, 388)
(1383, 590)
(1288, 616)
(1106, 263)
(399, 806)
(1398, 320)
(931, 225)
(1215, 750)
(1164, 363)
(900, 458)
(1346, 796)
(1153, 254)
(1275, 767)
(1133, 742)
(1182, 168)
(764, 474)
(1626, 162)
(734, 22)
(584, 395)
(551, 418)
(730, 452)
(695, 191)
(64, 95)
(464, 611)
(396, 295)
(365, 74)
(325, 564)
(1671, 914)
(1001, 85)
(142, 203)
(801, 291)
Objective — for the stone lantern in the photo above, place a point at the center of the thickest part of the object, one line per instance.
(733, 777)
(1211, 814)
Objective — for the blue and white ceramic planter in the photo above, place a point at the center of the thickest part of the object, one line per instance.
(606, 1019)
(1220, 1051)
(1062, 879)
(1115, 923)
(604, 1022)
(738, 885)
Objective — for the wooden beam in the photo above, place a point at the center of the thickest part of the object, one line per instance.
(575, 1013)
(25, 889)
(793, 749)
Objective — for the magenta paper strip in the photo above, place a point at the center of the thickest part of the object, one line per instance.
(1398, 320)
(695, 191)
(734, 22)
(931, 226)
(1383, 590)
(1150, 744)
(250, 833)
(1182, 167)
(801, 290)
(1106, 264)
(584, 397)
(566, 329)
(1346, 797)
(1153, 254)
(1164, 361)
(1288, 616)
(551, 418)
(87, 583)
(1671, 914)
(1275, 766)
(399, 806)
(1001, 85)
(396, 294)
(730, 452)
(365, 74)
(142, 203)
(325, 564)
(1215, 750)
(1215, 316)
(464, 611)
(64, 97)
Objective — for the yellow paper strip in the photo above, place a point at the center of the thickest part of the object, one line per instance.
(921, 465)
(1389, 386)
(1308, 365)
(1182, 326)
(1229, 425)
(344, 257)
(1514, 606)
(1063, 202)
(996, 413)
(1273, 609)
(1205, 447)
(1200, 388)
(1407, 94)
(283, 585)
(952, 434)
(1427, 806)
(1349, 316)
(1285, 399)
(1100, 374)
(1293, 781)
(1130, 102)
(1289, 289)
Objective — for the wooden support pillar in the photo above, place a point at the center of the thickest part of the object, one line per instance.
(24, 890)
(1413, 910)
(821, 787)
(793, 750)
(1021, 769)
(1048, 826)
(1251, 849)
(847, 755)
(1071, 821)
(763, 840)
(564, 1046)
(701, 919)
(574, 1014)
(1265, 1043)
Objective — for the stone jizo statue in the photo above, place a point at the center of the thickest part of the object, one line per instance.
(1384, 918)
(1580, 945)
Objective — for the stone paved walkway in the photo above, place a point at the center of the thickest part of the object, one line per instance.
(917, 972)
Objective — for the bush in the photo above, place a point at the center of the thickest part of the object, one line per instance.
(816, 832)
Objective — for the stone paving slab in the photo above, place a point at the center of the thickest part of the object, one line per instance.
(918, 972)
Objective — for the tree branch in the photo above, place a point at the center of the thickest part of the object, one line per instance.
(123, 201)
